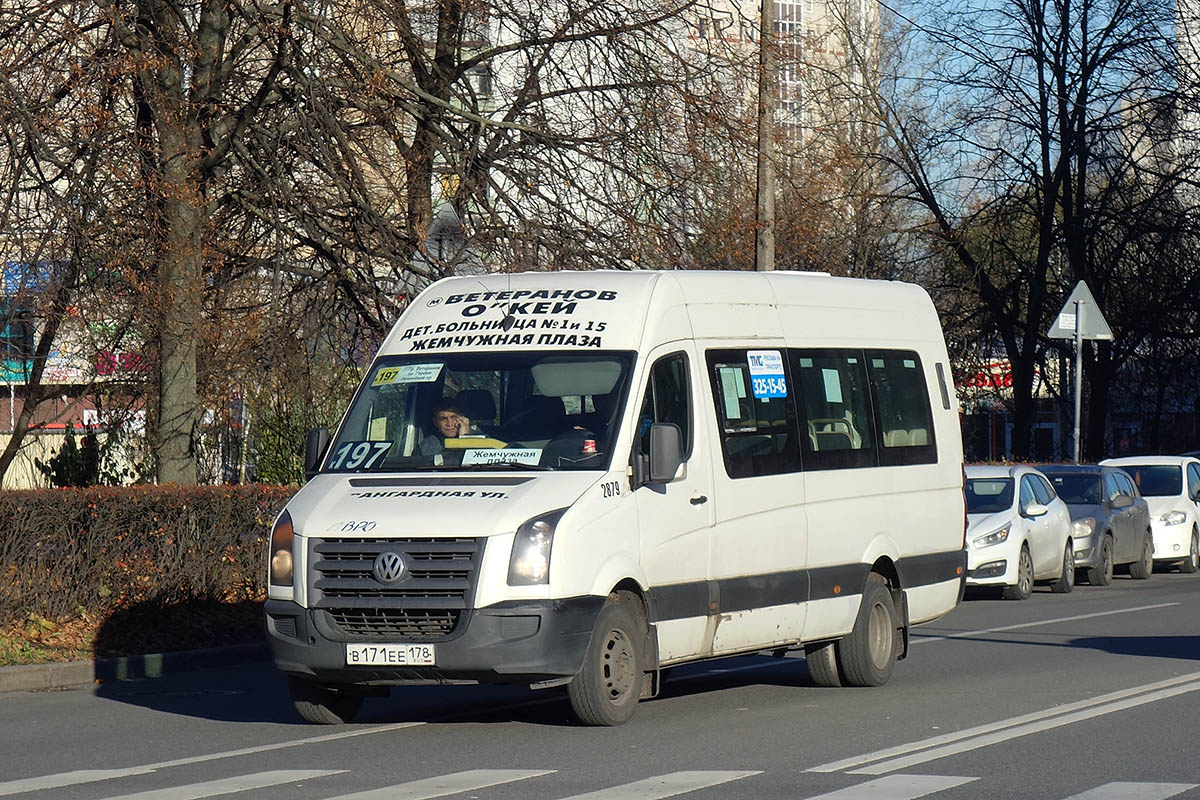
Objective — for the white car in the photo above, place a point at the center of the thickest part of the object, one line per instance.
(1018, 531)
(1171, 485)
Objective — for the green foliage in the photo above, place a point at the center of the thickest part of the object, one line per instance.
(105, 549)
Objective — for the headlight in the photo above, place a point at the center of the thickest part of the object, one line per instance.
(1173, 518)
(995, 537)
(281, 551)
(529, 563)
(1081, 528)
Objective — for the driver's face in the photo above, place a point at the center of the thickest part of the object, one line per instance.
(447, 423)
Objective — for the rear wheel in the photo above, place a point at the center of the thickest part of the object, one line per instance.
(867, 655)
(822, 663)
(1144, 566)
(1102, 573)
(1023, 588)
(607, 688)
(1192, 564)
(1066, 578)
(324, 704)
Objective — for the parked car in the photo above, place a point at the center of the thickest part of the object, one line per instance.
(1018, 531)
(1110, 520)
(1171, 485)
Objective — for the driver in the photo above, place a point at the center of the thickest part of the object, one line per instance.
(448, 423)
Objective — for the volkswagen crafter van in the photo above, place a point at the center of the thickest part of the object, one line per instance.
(648, 469)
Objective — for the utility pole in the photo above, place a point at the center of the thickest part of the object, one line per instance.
(764, 217)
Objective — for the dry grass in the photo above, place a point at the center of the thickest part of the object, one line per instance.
(147, 628)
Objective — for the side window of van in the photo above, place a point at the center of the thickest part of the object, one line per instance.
(837, 426)
(902, 401)
(756, 421)
(667, 399)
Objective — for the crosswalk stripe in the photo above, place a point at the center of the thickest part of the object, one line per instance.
(68, 779)
(242, 783)
(1134, 791)
(896, 787)
(81, 776)
(446, 784)
(666, 785)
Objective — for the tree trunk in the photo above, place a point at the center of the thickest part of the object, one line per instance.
(180, 289)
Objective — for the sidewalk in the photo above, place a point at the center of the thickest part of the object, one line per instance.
(127, 668)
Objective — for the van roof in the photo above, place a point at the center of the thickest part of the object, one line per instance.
(619, 310)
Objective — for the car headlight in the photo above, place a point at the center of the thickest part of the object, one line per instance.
(281, 551)
(1084, 527)
(995, 537)
(529, 563)
(1173, 518)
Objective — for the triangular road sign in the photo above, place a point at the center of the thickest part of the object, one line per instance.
(1080, 309)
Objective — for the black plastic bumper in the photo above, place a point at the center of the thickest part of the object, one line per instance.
(517, 642)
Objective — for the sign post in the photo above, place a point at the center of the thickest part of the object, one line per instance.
(1080, 319)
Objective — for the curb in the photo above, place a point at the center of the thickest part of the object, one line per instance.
(60, 675)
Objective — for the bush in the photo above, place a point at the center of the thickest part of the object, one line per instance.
(99, 550)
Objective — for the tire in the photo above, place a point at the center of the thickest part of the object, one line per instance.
(1023, 588)
(1102, 573)
(822, 664)
(607, 689)
(323, 704)
(1143, 568)
(1065, 581)
(867, 655)
(1192, 563)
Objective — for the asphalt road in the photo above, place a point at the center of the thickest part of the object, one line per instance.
(1094, 694)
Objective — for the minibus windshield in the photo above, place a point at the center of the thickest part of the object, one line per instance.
(515, 410)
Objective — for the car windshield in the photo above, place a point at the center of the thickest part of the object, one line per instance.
(484, 411)
(1077, 489)
(1156, 480)
(989, 495)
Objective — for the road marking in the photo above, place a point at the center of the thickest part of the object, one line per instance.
(1134, 791)
(665, 785)
(922, 639)
(443, 785)
(242, 783)
(896, 787)
(1107, 703)
(92, 775)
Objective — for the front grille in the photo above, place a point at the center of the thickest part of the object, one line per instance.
(427, 604)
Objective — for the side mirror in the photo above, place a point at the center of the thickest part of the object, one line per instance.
(315, 445)
(666, 451)
(1122, 501)
(1035, 510)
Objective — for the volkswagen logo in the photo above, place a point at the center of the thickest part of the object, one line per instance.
(389, 567)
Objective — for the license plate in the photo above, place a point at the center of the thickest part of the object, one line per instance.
(389, 655)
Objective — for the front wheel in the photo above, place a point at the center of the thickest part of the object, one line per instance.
(324, 704)
(1023, 588)
(1192, 564)
(1141, 569)
(1066, 578)
(868, 654)
(1101, 574)
(607, 688)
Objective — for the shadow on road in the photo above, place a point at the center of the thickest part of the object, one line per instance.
(256, 693)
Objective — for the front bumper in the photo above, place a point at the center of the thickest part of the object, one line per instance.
(1171, 542)
(516, 642)
(992, 566)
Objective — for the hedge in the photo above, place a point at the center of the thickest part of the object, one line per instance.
(99, 550)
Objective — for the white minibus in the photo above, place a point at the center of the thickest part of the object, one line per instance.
(581, 479)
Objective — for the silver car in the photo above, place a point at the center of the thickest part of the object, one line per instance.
(1110, 520)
